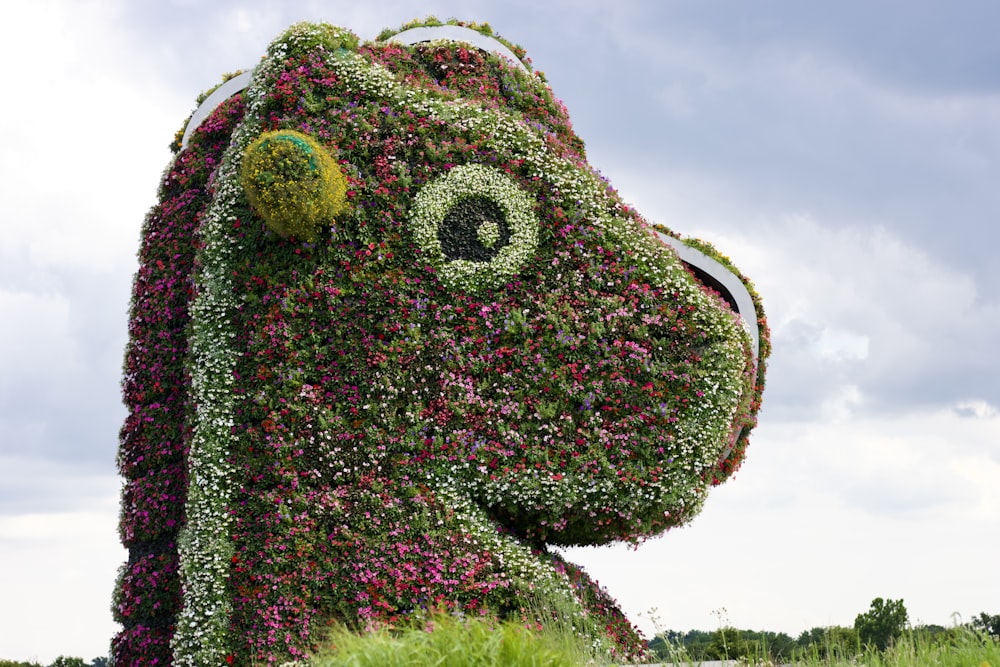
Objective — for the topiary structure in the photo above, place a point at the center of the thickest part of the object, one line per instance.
(391, 338)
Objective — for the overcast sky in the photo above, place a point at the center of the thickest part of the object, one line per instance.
(845, 155)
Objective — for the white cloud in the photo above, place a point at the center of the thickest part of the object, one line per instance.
(848, 300)
(59, 567)
(55, 527)
(59, 571)
(976, 408)
(35, 339)
(81, 165)
(837, 345)
(841, 403)
(89, 145)
(823, 517)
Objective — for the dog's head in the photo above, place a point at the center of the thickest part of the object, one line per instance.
(425, 249)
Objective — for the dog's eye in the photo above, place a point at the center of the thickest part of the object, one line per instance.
(476, 226)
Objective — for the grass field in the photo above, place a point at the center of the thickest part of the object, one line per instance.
(960, 647)
(481, 643)
(455, 643)
(964, 648)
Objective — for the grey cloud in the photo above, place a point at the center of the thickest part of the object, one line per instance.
(923, 43)
(33, 485)
(803, 127)
(826, 129)
(800, 379)
(862, 308)
(882, 495)
(60, 397)
(196, 43)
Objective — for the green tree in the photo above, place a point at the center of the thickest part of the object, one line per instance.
(64, 661)
(778, 645)
(693, 644)
(728, 643)
(834, 642)
(882, 624)
(696, 643)
(934, 634)
(810, 637)
(987, 624)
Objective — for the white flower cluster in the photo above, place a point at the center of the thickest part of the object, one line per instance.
(205, 547)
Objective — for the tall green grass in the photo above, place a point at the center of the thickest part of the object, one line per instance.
(446, 641)
(453, 642)
(959, 647)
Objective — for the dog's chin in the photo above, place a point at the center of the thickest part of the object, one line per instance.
(570, 511)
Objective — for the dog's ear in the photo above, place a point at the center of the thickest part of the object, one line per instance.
(293, 183)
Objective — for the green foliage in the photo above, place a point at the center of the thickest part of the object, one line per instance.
(447, 641)
(728, 643)
(829, 643)
(987, 624)
(64, 661)
(61, 661)
(430, 21)
(674, 646)
(882, 624)
(175, 145)
(725, 643)
(836, 646)
(293, 183)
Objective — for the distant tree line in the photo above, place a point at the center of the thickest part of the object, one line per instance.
(879, 627)
(61, 661)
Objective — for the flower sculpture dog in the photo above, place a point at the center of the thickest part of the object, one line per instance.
(392, 338)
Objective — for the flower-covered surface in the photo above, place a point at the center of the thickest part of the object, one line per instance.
(484, 354)
(155, 438)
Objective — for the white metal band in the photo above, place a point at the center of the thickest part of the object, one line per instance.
(218, 96)
(737, 290)
(456, 33)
